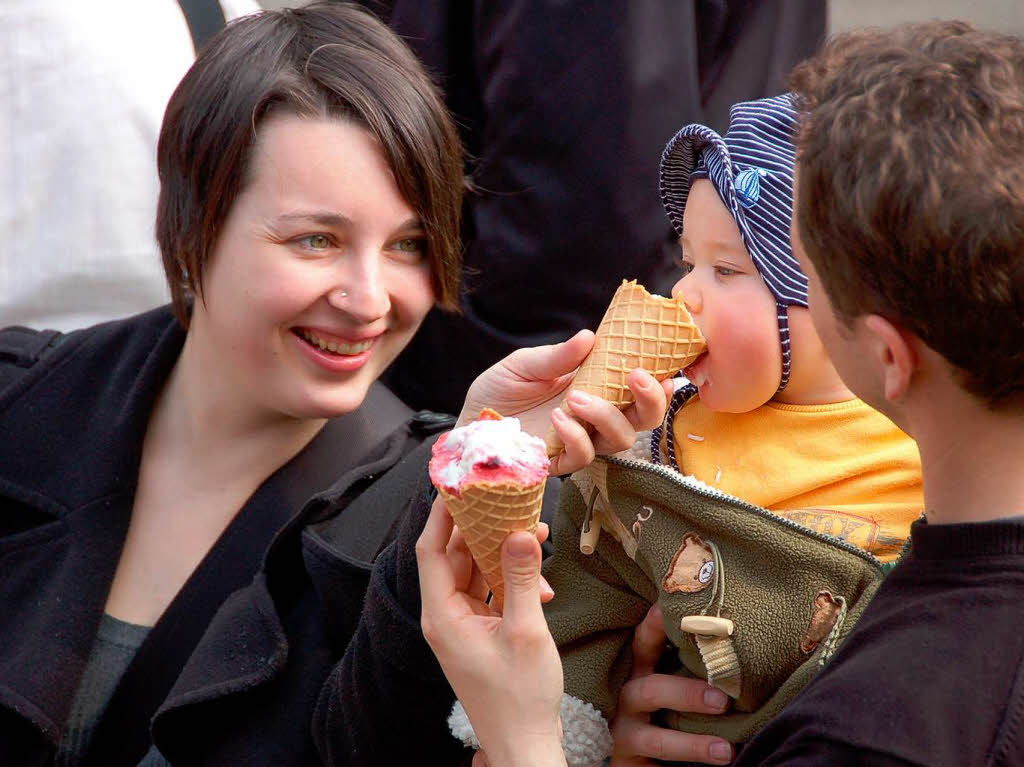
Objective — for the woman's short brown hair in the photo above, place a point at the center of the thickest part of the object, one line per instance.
(325, 60)
(910, 193)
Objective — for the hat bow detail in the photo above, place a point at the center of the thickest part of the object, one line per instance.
(748, 186)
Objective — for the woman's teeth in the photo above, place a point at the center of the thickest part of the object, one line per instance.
(336, 347)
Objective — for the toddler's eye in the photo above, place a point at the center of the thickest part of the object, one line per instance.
(684, 266)
(724, 271)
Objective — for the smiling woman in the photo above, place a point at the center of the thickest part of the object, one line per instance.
(197, 504)
(311, 183)
(320, 216)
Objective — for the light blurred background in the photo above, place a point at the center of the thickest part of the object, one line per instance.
(999, 15)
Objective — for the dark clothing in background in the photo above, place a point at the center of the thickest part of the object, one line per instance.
(231, 672)
(933, 672)
(566, 108)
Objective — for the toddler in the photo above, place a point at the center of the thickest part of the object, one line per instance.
(767, 427)
(764, 415)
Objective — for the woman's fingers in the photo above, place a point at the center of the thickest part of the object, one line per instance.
(520, 568)
(546, 592)
(528, 383)
(432, 551)
(545, 363)
(470, 580)
(437, 579)
(543, 531)
(460, 560)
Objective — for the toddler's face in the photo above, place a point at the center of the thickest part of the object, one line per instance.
(731, 305)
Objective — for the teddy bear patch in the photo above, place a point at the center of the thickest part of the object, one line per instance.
(825, 611)
(692, 567)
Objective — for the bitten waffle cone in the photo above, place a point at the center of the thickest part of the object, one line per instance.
(638, 331)
(486, 512)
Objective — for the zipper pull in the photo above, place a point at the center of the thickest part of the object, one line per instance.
(591, 529)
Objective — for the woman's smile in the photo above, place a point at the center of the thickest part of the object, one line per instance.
(332, 354)
(333, 344)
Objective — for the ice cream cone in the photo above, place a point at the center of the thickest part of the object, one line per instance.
(486, 512)
(491, 475)
(639, 330)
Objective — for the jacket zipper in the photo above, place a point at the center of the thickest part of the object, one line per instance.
(708, 492)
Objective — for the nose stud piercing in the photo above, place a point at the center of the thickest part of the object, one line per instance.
(344, 294)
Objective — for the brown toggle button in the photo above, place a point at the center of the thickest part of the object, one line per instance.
(708, 625)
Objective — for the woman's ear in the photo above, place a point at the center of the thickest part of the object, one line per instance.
(895, 355)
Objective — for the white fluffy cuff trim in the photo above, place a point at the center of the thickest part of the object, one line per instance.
(586, 739)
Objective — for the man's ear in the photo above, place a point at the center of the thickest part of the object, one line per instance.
(895, 354)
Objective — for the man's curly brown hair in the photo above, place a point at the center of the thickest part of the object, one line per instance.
(910, 199)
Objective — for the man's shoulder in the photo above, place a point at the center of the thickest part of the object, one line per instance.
(930, 675)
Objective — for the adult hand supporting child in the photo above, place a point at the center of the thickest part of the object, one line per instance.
(505, 669)
(637, 740)
(530, 383)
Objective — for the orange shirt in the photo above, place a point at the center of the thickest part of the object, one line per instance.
(841, 468)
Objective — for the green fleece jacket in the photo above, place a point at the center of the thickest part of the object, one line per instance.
(752, 602)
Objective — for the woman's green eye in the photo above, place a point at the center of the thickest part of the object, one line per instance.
(409, 245)
(318, 241)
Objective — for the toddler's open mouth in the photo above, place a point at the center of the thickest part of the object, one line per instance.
(697, 371)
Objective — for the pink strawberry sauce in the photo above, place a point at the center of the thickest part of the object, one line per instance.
(526, 465)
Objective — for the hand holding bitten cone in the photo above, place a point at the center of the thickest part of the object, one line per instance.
(639, 330)
(491, 476)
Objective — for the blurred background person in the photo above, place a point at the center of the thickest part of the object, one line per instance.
(83, 88)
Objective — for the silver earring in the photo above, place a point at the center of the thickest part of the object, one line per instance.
(344, 294)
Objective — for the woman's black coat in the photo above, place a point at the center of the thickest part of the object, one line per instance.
(233, 671)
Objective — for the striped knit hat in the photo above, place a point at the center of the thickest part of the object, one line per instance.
(752, 170)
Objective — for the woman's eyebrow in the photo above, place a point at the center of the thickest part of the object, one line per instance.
(321, 217)
(412, 223)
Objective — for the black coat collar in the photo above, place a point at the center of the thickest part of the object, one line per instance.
(78, 417)
(75, 423)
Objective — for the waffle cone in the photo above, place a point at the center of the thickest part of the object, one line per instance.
(639, 330)
(486, 512)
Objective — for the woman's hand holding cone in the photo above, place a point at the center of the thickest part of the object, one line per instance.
(531, 383)
(504, 668)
